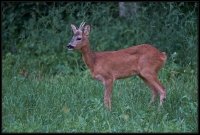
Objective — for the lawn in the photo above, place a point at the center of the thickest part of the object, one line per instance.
(74, 103)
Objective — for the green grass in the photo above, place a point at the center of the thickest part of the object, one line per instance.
(74, 103)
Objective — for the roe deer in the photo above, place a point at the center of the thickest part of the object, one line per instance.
(142, 60)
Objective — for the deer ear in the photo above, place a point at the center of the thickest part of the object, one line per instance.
(73, 28)
(86, 30)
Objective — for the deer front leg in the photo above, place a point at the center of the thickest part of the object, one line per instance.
(108, 84)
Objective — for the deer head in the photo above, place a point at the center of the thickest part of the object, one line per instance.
(80, 37)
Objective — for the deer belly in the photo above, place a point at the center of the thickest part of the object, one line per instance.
(123, 69)
(124, 74)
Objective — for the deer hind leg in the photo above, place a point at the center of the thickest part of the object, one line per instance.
(153, 82)
(153, 90)
(154, 94)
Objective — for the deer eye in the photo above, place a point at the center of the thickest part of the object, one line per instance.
(78, 39)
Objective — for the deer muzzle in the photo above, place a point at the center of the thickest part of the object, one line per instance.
(70, 47)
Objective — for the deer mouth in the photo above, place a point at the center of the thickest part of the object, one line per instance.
(70, 47)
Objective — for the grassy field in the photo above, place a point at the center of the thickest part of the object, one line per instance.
(74, 103)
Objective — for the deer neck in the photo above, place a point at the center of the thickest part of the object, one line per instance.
(88, 56)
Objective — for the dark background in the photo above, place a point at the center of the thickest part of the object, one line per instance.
(34, 34)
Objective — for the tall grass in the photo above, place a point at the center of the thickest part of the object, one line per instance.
(75, 104)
